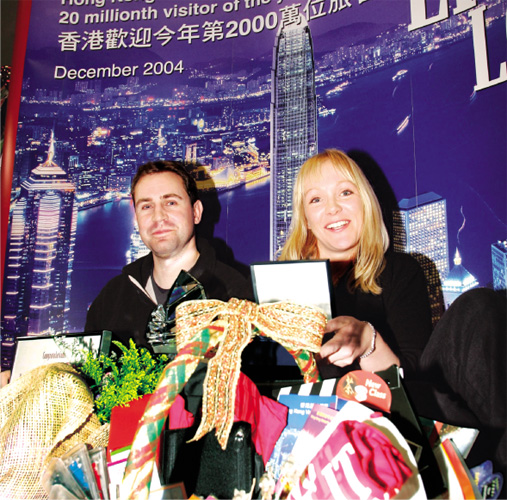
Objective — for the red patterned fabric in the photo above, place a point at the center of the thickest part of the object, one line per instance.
(357, 461)
(266, 416)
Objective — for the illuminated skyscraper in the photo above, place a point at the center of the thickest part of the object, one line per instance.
(499, 264)
(137, 248)
(458, 281)
(40, 255)
(191, 153)
(161, 140)
(420, 228)
(293, 120)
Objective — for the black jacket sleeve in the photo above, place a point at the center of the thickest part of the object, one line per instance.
(407, 309)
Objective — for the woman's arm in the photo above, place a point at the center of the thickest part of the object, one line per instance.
(353, 340)
(400, 315)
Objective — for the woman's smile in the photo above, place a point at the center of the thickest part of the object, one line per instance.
(334, 213)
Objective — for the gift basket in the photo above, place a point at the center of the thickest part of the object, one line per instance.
(363, 442)
(206, 431)
(218, 332)
(43, 415)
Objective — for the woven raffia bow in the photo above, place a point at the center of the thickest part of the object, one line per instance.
(220, 331)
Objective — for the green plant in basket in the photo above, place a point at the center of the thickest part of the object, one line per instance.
(116, 380)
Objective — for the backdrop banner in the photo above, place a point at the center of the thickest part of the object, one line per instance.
(244, 91)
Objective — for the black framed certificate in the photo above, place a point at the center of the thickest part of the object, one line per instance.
(306, 282)
(38, 350)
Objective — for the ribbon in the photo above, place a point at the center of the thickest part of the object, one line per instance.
(218, 331)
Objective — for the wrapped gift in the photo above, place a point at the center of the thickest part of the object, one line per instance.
(218, 332)
(123, 425)
(43, 414)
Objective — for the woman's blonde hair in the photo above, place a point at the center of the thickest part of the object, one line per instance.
(301, 243)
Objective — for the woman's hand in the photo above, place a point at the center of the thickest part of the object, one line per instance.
(350, 339)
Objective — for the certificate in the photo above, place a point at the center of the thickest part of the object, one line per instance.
(35, 351)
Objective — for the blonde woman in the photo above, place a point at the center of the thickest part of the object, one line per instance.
(336, 216)
(455, 374)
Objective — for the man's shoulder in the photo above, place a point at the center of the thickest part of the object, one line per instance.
(224, 269)
(228, 267)
(221, 279)
(111, 291)
(237, 284)
(140, 269)
(136, 270)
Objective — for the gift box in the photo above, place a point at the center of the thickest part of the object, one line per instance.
(215, 333)
(401, 414)
(123, 425)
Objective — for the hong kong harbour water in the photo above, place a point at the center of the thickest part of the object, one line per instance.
(104, 238)
(427, 131)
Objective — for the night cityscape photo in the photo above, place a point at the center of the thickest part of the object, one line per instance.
(403, 101)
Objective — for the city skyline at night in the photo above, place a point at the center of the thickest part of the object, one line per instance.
(40, 256)
(420, 228)
(293, 122)
(397, 96)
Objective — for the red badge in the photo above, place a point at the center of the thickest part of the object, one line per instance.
(366, 388)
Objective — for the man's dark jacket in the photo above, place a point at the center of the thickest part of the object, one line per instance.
(125, 304)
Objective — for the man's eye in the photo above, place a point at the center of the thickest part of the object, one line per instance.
(145, 207)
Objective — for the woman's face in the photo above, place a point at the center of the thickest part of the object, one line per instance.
(334, 213)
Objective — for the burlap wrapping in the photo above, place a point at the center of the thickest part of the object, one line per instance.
(43, 414)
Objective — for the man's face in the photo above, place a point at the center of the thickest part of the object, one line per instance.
(165, 215)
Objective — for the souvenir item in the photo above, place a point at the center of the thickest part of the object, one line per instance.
(458, 478)
(59, 492)
(218, 331)
(57, 479)
(207, 469)
(317, 428)
(489, 483)
(77, 460)
(300, 407)
(366, 388)
(277, 281)
(123, 425)
(161, 328)
(99, 466)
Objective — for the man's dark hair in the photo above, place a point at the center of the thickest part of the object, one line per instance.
(176, 167)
